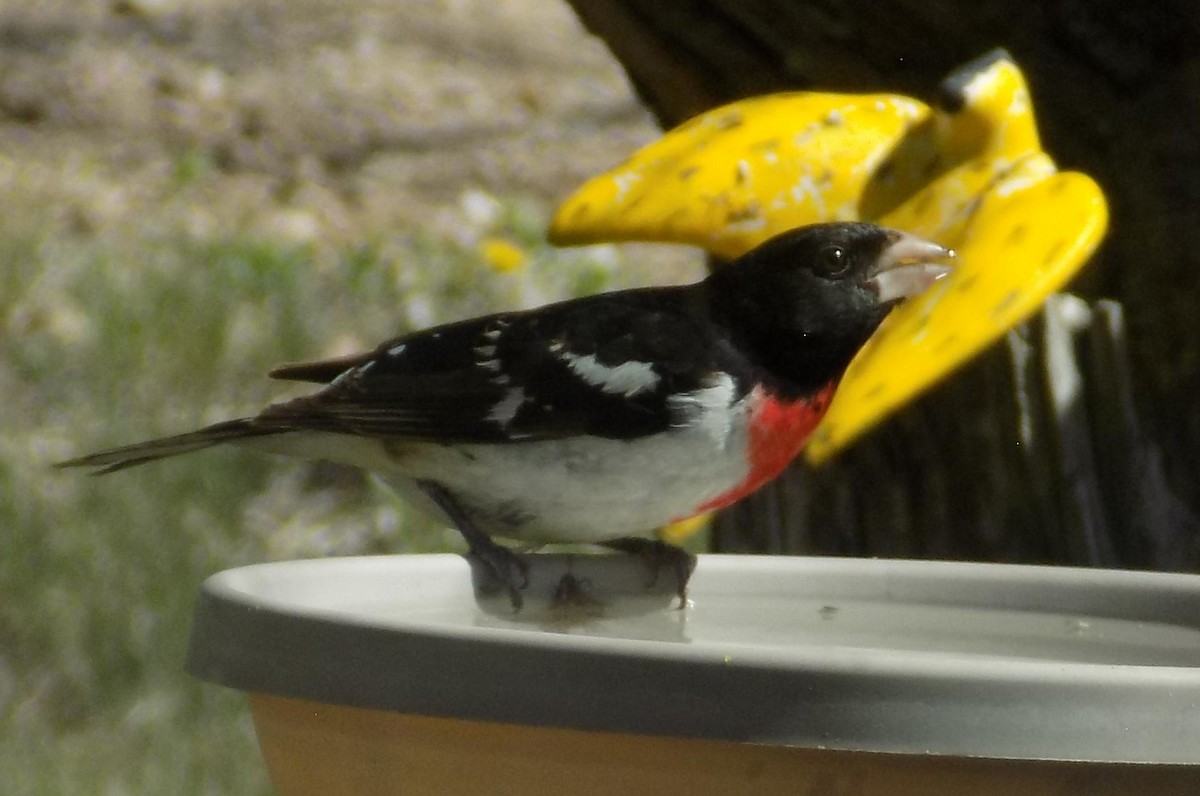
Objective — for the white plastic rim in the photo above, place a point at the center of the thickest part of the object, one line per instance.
(942, 658)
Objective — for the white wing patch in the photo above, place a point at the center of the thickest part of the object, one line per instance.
(507, 407)
(627, 379)
(485, 354)
(709, 409)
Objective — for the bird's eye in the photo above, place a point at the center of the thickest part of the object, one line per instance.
(833, 261)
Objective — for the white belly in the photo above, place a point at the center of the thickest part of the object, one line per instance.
(568, 490)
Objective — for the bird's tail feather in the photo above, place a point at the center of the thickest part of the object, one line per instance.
(139, 453)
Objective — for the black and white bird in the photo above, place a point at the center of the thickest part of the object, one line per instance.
(596, 419)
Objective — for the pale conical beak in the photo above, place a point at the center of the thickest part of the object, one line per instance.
(908, 266)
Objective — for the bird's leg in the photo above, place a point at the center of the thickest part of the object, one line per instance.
(658, 554)
(508, 568)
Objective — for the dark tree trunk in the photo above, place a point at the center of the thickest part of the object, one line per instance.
(1078, 439)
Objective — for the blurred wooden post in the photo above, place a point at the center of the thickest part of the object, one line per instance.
(1078, 439)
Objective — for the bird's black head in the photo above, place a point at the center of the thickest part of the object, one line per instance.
(803, 303)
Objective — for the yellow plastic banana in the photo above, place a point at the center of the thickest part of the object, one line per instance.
(970, 175)
(1020, 246)
(733, 177)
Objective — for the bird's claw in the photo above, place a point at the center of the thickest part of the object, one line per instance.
(659, 555)
(508, 569)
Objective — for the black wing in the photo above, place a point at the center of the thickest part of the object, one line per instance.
(602, 365)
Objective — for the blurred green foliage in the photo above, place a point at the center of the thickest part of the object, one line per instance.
(108, 340)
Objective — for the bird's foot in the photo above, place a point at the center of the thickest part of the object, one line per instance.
(508, 569)
(659, 555)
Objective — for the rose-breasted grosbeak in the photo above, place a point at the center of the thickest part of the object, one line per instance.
(598, 418)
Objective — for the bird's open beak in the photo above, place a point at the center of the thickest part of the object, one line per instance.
(908, 266)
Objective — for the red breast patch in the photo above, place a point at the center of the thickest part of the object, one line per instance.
(778, 431)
